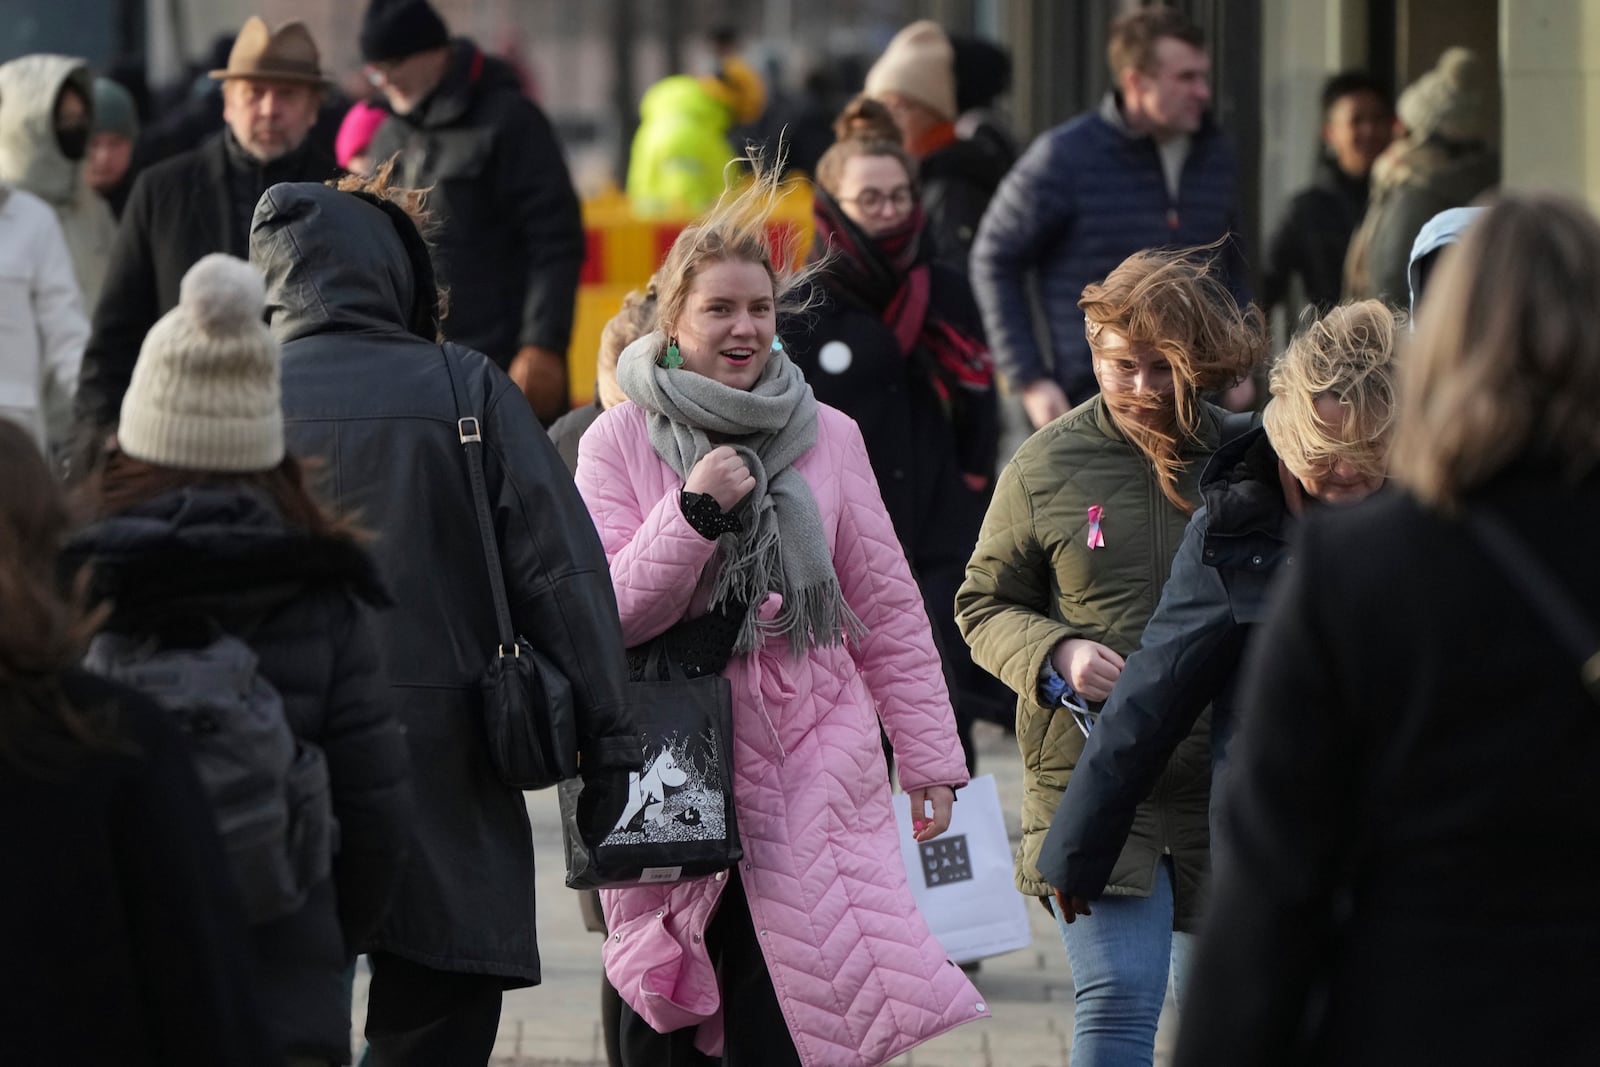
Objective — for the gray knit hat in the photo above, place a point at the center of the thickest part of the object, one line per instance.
(205, 394)
(114, 110)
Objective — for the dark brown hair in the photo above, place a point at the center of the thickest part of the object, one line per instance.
(863, 128)
(1134, 37)
(123, 483)
(43, 628)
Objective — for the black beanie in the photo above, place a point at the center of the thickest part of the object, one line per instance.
(395, 29)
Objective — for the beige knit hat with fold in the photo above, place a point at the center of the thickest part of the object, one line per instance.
(919, 63)
(1449, 101)
(205, 394)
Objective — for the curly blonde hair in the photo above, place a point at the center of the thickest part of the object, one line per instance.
(1505, 363)
(636, 318)
(1348, 354)
(1175, 302)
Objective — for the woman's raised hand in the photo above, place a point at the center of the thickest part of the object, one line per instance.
(1089, 666)
(724, 475)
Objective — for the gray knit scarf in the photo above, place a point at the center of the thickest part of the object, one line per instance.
(781, 546)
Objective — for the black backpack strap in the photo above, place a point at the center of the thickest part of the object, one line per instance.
(1562, 615)
(470, 431)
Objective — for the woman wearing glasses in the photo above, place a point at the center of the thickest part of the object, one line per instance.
(1074, 551)
(896, 342)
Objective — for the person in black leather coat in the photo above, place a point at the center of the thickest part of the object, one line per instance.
(1324, 443)
(351, 296)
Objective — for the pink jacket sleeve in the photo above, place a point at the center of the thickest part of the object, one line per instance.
(656, 556)
(897, 658)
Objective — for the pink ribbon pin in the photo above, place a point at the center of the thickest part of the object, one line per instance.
(1097, 539)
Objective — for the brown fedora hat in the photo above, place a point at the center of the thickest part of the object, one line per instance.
(288, 55)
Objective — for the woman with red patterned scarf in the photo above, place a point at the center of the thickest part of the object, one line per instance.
(896, 342)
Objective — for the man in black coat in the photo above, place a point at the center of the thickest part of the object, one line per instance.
(200, 202)
(510, 242)
(352, 299)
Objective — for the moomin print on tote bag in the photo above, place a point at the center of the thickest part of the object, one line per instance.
(678, 822)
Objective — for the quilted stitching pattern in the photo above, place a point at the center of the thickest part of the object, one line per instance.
(858, 973)
(1034, 581)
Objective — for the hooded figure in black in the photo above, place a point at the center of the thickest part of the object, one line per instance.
(352, 299)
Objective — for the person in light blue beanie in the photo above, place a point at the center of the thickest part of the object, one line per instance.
(1437, 234)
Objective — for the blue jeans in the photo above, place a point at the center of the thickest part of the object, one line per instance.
(1122, 957)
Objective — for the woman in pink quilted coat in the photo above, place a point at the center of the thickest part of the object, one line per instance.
(725, 493)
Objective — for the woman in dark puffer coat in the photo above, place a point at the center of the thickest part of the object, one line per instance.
(203, 519)
(896, 342)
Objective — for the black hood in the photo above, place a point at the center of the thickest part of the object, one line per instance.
(1241, 489)
(978, 163)
(340, 262)
(217, 549)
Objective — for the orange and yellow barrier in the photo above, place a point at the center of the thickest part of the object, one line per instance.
(623, 251)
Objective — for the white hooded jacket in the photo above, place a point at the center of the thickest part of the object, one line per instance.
(31, 159)
(42, 320)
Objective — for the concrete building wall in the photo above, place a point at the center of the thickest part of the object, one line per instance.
(1550, 57)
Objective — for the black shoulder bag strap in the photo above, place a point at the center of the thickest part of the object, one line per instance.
(470, 430)
(1559, 610)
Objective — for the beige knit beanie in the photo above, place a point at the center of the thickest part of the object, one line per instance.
(919, 63)
(1448, 100)
(205, 393)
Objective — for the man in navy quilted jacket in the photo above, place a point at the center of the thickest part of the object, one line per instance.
(1148, 169)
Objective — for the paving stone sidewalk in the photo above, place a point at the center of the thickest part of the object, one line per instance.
(1029, 991)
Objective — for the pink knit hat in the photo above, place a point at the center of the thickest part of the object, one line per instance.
(360, 123)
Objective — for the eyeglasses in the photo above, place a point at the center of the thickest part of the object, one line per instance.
(870, 200)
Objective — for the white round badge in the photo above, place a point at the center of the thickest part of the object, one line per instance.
(835, 357)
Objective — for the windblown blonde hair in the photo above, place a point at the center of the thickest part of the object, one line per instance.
(1174, 302)
(738, 228)
(1348, 354)
(1505, 363)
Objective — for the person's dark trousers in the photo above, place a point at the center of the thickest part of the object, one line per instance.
(754, 1031)
(421, 1017)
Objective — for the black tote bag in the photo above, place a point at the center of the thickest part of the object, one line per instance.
(679, 821)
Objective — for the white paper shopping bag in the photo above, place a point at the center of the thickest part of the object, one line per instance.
(962, 879)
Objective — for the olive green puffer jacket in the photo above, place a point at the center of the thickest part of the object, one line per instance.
(1033, 581)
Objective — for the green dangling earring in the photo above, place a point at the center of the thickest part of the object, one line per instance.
(672, 359)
